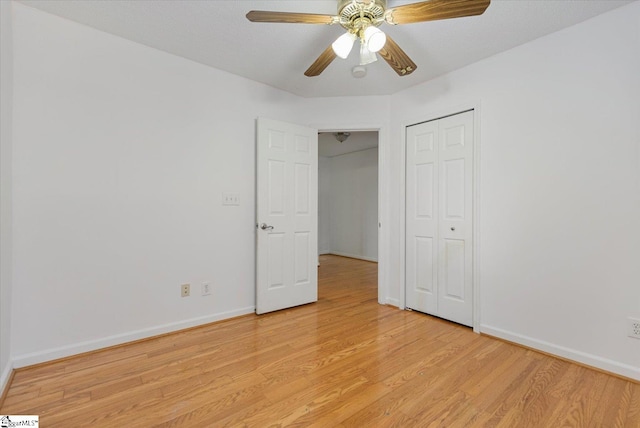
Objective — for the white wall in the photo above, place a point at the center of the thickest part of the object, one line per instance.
(121, 156)
(559, 194)
(6, 107)
(353, 220)
(324, 205)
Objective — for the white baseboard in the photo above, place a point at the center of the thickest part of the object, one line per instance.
(354, 256)
(6, 374)
(393, 302)
(118, 339)
(561, 351)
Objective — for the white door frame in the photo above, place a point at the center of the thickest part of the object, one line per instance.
(384, 240)
(425, 117)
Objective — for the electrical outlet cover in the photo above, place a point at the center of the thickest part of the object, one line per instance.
(634, 328)
(185, 290)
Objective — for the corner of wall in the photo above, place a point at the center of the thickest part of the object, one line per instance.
(5, 377)
(6, 120)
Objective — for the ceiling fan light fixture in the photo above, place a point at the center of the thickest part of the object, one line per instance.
(343, 44)
(374, 38)
(341, 136)
(361, 19)
(366, 56)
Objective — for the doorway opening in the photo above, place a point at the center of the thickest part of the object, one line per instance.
(348, 188)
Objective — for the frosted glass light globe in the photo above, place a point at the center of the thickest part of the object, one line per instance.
(343, 44)
(374, 38)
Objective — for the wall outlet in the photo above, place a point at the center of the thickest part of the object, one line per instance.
(634, 327)
(185, 290)
(206, 289)
(230, 199)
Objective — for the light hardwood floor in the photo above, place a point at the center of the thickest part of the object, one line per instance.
(345, 361)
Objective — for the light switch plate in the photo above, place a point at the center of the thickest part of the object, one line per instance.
(230, 199)
(206, 289)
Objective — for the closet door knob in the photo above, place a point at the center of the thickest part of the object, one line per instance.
(453, 229)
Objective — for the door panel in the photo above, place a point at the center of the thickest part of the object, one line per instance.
(302, 252)
(438, 217)
(276, 187)
(455, 228)
(421, 209)
(424, 271)
(302, 180)
(286, 200)
(275, 242)
(453, 189)
(453, 279)
(425, 192)
(453, 134)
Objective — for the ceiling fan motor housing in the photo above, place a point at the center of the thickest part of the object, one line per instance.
(357, 14)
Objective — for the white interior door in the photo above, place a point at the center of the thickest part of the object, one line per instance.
(439, 258)
(287, 215)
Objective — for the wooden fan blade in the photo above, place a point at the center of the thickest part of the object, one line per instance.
(397, 58)
(433, 10)
(321, 63)
(289, 17)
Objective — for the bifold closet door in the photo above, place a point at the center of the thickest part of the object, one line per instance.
(439, 197)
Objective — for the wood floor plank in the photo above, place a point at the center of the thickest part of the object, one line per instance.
(614, 406)
(579, 406)
(345, 361)
(526, 403)
(632, 418)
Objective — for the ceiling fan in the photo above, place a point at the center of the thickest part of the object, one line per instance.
(361, 19)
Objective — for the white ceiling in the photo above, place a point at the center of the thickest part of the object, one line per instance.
(361, 140)
(216, 33)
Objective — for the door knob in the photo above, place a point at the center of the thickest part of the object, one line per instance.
(265, 226)
(453, 229)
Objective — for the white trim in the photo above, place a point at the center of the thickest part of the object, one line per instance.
(425, 117)
(402, 218)
(476, 216)
(118, 339)
(393, 302)
(384, 237)
(6, 374)
(564, 352)
(353, 256)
